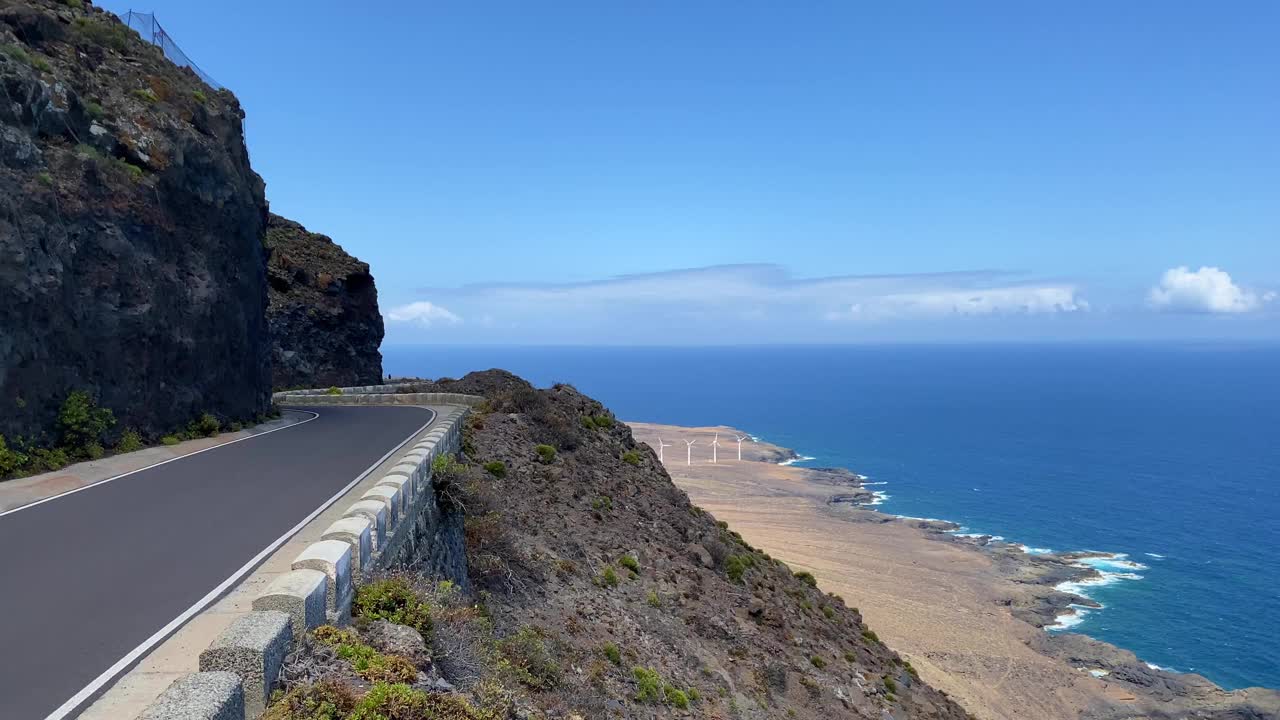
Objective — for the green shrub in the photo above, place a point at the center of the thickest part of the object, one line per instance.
(108, 33)
(11, 460)
(82, 421)
(612, 652)
(496, 468)
(199, 96)
(911, 670)
(130, 441)
(890, 684)
(47, 459)
(850, 657)
(170, 440)
(818, 662)
(807, 578)
(40, 64)
(235, 427)
(631, 457)
(526, 653)
(445, 465)
(207, 425)
(828, 612)
(735, 566)
(603, 504)
(325, 700)
(19, 53)
(629, 562)
(870, 636)
(597, 422)
(77, 4)
(653, 599)
(676, 697)
(608, 577)
(94, 110)
(694, 695)
(133, 171)
(94, 450)
(648, 685)
(45, 179)
(546, 454)
(333, 390)
(392, 702)
(392, 600)
(146, 95)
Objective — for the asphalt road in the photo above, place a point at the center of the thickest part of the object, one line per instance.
(86, 578)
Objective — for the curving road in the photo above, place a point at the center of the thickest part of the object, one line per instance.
(88, 577)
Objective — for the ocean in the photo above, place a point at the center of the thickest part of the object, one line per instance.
(1168, 455)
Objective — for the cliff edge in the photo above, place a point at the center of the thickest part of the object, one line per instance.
(131, 224)
(323, 311)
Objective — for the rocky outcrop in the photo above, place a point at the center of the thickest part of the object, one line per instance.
(323, 312)
(131, 225)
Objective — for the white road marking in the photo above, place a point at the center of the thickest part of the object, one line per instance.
(107, 676)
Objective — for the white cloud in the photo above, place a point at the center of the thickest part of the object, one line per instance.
(1207, 290)
(740, 304)
(1016, 300)
(422, 313)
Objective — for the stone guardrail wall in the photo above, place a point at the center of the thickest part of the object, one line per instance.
(238, 671)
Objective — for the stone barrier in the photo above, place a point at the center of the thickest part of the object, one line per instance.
(238, 671)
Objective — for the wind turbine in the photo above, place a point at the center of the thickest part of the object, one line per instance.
(740, 439)
(715, 445)
(688, 458)
(660, 446)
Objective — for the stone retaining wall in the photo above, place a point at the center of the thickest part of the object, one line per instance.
(398, 521)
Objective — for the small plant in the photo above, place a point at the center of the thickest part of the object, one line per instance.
(648, 685)
(108, 34)
(890, 684)
(653, 599)
(828, 612)
(546, 454)
(333, 390)
(10, 459)
(496, 468)
(199, 96)
(631, 457)
(612, 652)
(807, 578)
(45, 459)
(169, 440)
(850, 657)
(235, 427)
(134, 172)
(40, 64)
(694, 695)
(526, 653)
(130, 441)
(146, 95)
(93, 450)
(392, 600)
(82, 421)
(735, 566)
(602, 504)
(597, 422)
(94, 110)
(77, 4)
(676, 697)
(818, 662)
(19, 53)
(629, 562)
(870, 636)
(911, 670)
(608, 577)
(207, 425)
(45, 179)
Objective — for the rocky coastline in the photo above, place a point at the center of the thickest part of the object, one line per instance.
(1109, 683)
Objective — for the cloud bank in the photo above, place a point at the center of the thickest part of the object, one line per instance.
(727, 304)
(1207, 290)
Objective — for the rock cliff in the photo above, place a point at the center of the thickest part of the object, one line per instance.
(323, 311)
(131, 226)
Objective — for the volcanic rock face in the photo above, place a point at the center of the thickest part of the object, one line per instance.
(131, 224)
(323, 312)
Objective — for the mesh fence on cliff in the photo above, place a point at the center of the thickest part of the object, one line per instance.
(146, 25)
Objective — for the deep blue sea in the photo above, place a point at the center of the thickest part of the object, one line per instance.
(1167, 453)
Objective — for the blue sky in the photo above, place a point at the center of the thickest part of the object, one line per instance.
(675, 172)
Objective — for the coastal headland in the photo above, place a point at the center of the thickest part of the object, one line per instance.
(969, 612)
